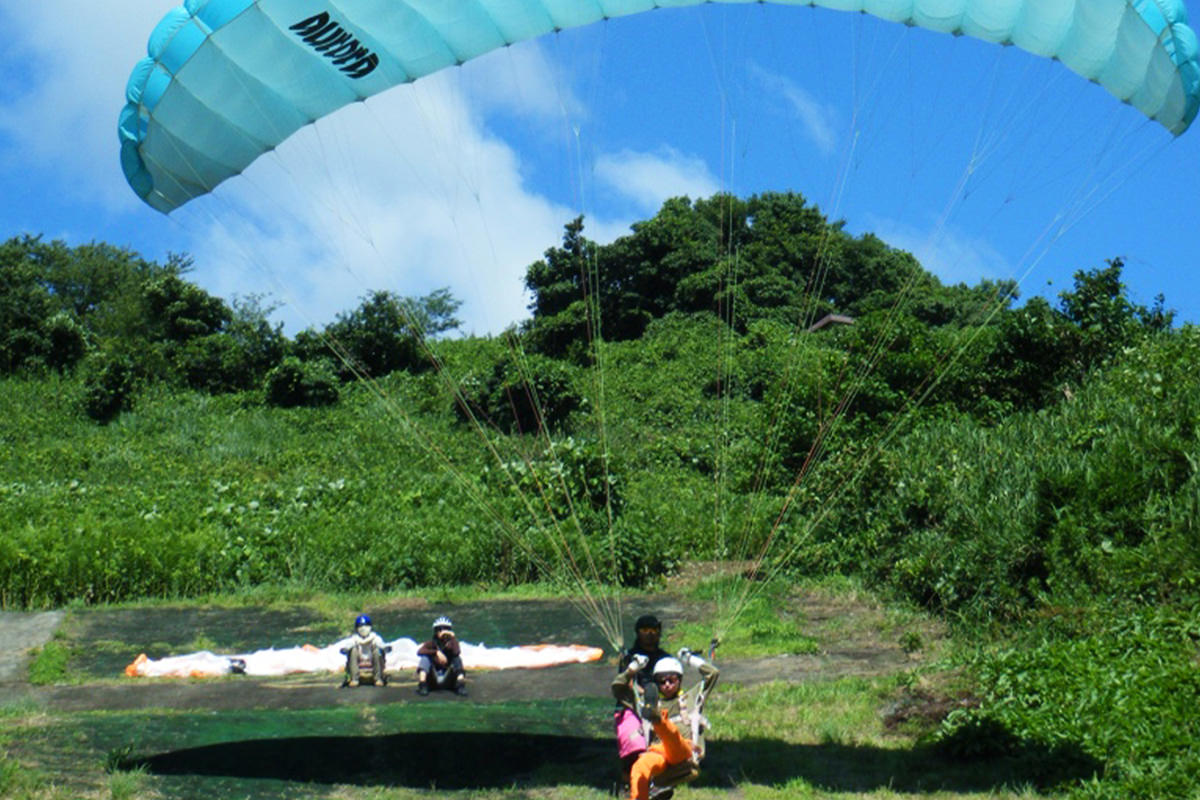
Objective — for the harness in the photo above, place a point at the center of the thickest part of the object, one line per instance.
(693, 718)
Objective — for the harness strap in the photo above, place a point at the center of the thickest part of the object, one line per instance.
(697, 723)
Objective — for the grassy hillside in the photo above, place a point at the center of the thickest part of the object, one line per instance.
(189, 494)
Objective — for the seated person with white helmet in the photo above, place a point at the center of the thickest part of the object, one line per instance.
(439, 661)
(675, 718)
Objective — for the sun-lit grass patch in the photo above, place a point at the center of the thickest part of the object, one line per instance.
(755, 620)
(845, 710)
(19, 782)
(49, 664)
(132, 785)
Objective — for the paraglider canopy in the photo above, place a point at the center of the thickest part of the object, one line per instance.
(228, 80)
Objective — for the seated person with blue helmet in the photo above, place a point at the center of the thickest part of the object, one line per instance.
(364, 649)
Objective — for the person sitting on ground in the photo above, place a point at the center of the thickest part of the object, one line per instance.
(628, 725)
(439, 661)
(675, 718)
(364, 648)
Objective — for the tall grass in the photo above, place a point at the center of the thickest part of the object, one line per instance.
(188, 494)
(1118, 685)
(1093, 499)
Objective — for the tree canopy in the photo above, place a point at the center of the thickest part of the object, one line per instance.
(771, 260)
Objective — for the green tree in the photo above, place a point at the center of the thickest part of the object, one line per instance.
(563, 318)
(1034, 346)
(384, 334)
(25, 305)
(177, 310)
(377, 336)
(66, 341)
(770, 257)
(215, 363)
(433, 314)
(39, 325)
(99, 284)
(260, 344)
(1106, 319)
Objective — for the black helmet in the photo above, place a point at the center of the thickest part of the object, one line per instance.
(647, 621)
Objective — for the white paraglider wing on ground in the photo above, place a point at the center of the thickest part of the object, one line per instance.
(310, 659)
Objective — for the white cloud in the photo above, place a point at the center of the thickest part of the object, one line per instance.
(405, 192)
(74, 59)
(952, 255)
(650, 178)
(818, 120)
(522, 80)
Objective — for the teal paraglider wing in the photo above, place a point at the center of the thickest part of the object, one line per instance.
(227, 80)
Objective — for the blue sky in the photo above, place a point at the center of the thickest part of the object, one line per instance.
(981, 160)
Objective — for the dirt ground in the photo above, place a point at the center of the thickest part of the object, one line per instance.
(21, 632)
(855, 638)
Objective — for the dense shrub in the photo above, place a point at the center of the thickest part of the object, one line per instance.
(521, 393)
(66, 341)
(33, 334)
(215, 363)
(1096, 498)
(177, 310)
(55, 342)
(565, 506)
(379, 337)
(109, 384)
(1117, 686)
(261, 345)
(301, 383)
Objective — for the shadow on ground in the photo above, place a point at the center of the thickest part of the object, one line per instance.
(502, 760)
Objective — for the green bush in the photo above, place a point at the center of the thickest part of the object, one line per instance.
(215, 364)
(109, 385)
(177, 310)
(301, 383)
(521, 394)
(66, 340)
(1116, 686)
(1095, 498)
(375, 339)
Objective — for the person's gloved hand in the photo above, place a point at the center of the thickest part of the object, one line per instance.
(638, 662)
(689, 659)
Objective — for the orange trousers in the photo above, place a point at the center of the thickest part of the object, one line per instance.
(670, 749)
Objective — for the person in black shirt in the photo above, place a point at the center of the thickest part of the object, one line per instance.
(631, 742)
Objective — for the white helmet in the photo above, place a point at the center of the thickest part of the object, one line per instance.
(668, 665)
(443, 623)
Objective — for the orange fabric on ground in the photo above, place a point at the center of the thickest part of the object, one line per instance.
(132, 669)
(671, 748)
